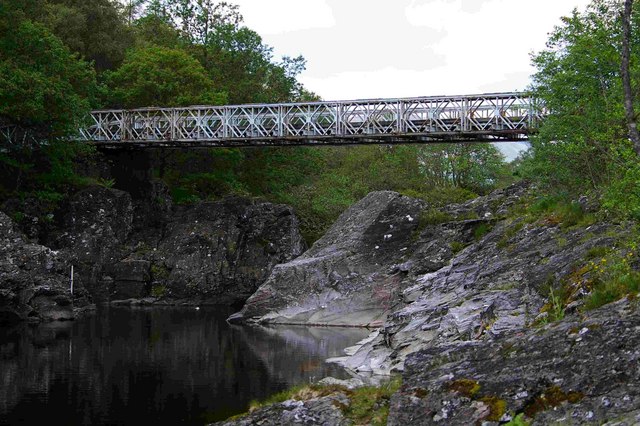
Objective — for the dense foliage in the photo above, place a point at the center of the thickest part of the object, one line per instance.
(45, 87)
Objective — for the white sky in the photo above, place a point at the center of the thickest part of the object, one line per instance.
(358, 49)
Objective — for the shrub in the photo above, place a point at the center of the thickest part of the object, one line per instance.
(433, 217)
(457, 246)
(158, 291)
(558, 210)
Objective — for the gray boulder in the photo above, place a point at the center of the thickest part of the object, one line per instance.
(487, 291)
(356, 274)
(494, 286)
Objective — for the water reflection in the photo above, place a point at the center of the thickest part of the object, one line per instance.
(159, 366)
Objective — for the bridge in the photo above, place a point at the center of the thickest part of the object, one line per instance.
(494, 117)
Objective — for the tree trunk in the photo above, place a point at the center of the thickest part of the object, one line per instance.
(626, 76)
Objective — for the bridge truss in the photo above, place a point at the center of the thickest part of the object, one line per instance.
(490, 117)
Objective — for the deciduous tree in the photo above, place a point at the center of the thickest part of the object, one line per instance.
(43, 86)
(96, 29)
(163, 77)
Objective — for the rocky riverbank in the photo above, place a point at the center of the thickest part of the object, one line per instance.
(422, 276)
(33, 279)
(461, 302)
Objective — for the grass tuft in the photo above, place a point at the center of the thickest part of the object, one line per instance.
(369, 405)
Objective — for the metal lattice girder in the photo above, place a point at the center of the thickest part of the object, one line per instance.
(488, 117)
(15, 136)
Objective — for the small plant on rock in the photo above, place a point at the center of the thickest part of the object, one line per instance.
(159, 291)
(457, 246)
(481, 230)
(556, 312)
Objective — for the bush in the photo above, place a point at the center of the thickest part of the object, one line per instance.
(558, 210)
(622, 195)
(457, 246)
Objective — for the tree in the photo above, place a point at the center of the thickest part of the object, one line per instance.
(132, 9)
(153, 30)
(584, 143)
(163, 77)
(626, 76)
(199, 19)
(96, 29)
(43, 86)
(578, 78)
(243, 66)
(46, 90)
(234, 56)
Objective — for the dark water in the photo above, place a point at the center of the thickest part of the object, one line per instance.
(155, 366)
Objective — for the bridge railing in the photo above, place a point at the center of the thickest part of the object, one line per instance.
(491, 116)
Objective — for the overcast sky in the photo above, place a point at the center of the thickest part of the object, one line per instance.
(358, 49)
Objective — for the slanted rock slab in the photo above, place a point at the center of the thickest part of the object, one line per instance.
(342, 279)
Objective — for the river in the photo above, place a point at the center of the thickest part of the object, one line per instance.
(155, 366)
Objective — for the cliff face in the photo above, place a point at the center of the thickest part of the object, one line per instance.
(34, 280)
(220, 252)
(209, 252)
(145, 249)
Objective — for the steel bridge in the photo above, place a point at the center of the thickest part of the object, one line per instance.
(493, 117)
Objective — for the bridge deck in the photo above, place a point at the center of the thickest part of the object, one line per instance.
(488, 117)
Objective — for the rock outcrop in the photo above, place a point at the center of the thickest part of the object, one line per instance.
(220, 252)
(577, 371)
(343, 279)
(315, 411)
(92, 228)
(356, 274)
(468, 322)
(494, 287)
(34, 280)
(150, 251)
(426, 277)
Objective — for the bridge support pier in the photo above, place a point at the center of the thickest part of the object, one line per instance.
(132, 171)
